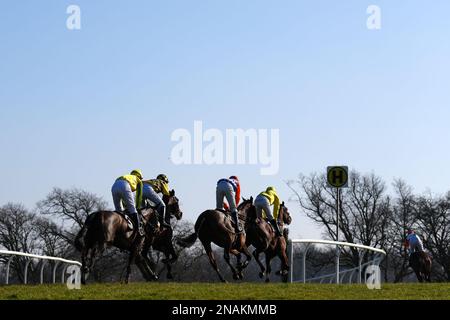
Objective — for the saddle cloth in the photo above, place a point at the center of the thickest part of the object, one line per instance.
(228, 217)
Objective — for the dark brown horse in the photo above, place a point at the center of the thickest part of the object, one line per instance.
(421, 263)
(103, 229)
(262, 236)
(215, 226)
(163, 238)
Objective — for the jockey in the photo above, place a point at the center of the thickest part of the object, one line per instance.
(263, 202)
(151, 190)
(413, 242)
(231, 190)
(122, 192)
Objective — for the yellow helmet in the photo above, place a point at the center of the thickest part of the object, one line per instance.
(163, 177)
(137, 173)
(271, 189)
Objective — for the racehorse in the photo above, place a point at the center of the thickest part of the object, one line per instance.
(103, 229)
(262, 236)
(163, 238)
(421, 263)
(216, 226)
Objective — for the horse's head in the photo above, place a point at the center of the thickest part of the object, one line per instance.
(284, 212)
(246, 207)
(173, 205)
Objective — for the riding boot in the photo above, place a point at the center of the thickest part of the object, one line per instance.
(276, 227)
(138, 223)
(162, 218)
(237, 226)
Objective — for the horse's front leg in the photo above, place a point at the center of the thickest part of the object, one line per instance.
(268, 267)
(169, 274)
(245, 251)
(256, 254)
(226, 255)
(284, 272)
(128, 269)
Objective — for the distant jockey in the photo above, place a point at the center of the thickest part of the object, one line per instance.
(413, 242)
(263, 210)
(152, 188)
(122, 192)
(231, 190)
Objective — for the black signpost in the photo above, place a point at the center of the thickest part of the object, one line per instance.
(337, 177)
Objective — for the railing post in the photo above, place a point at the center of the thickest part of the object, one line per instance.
(7, 269)
(350, 280)
(304, 262)
(25, 278)
(64, 273)
(338, 254)
(42, 270)
(291, 261)
(54, 271)
(360, 269)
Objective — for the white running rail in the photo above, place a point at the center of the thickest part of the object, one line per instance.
(338, 244)
(13, 254)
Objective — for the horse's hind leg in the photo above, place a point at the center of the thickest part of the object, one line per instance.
(84, 267)
(87, 259)
(419, 276)
(212, 259)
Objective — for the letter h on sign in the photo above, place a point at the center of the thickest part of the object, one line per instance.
(337, 177)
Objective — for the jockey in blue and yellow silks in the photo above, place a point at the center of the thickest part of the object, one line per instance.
(152, 188)
(122, 192)
(263, 202)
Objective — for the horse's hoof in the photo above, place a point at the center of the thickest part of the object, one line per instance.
(235, 276)
(170, 277)
(261, 275)
(267, 280)
(224, 281)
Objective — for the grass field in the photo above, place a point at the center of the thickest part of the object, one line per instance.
(243, 291)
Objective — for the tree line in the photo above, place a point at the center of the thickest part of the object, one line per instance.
(373, 216)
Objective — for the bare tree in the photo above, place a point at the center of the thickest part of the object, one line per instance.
(18, 233)
(402, 217)
(433, 222)
(72, 207)
(364, 210)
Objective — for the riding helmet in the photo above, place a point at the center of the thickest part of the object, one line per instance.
(163, 177)
(137, 173)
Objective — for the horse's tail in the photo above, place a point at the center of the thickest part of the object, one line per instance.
(79, 241)
(190, 240)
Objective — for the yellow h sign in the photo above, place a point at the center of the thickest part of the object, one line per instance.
(337, 177)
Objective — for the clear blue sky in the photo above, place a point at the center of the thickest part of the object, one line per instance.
(80, 108)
